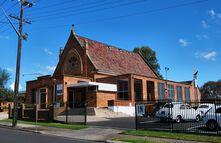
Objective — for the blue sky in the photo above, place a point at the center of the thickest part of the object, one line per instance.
(186, 34)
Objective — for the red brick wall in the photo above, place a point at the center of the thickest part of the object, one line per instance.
(103, 97)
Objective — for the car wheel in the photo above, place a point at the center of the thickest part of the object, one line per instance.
(212, 125)
(178, 119)
(197, 118)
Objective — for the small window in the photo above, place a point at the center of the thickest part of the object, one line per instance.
(168, 105)
(161, 91)
(122, 89)
(182, 106)
(33, 96)
(179, 94)
(218, 110)
(188, 107)
(171, 91)
(187, 94)
(138, 89)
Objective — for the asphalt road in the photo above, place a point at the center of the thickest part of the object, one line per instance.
(16, 136)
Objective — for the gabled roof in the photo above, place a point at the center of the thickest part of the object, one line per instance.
(112, 60)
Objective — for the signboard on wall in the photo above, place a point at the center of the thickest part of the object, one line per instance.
(59, 89)
(140, 109)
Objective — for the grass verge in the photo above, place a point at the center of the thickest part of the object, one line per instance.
(55, 125)
(177, 136)
(136, 140)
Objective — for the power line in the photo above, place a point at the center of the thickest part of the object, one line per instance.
(52, 5)
(147, 12)
(61, 15)
(9, 8)
(131, 14)
(67, 8)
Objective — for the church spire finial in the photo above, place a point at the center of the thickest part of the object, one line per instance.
(73, 30)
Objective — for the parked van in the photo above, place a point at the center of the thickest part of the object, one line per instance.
(178, 111)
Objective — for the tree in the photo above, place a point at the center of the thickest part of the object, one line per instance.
(150, 56)
(6, 94)
(211, 90)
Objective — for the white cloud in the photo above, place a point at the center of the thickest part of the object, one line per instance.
(10, 69)
(202, 36)
(204, 24)
(212, 13)
(50, 68)
(207, 55)
(47, 51)
(183, 42)
(12, 86)
(4, 37)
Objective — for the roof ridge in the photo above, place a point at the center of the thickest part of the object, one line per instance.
(108, 45)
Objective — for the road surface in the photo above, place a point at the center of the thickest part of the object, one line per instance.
(16, 136)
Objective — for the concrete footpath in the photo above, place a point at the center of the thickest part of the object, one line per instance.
(91, 133)
(98, 134)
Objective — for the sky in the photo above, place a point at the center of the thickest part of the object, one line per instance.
(186, 34)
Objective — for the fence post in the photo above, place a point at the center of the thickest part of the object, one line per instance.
(171, 114)
(217, 129)
(36, 112)
(22, 110)
(135, 115)
(66, 112)
(85, 114)
(9, 111)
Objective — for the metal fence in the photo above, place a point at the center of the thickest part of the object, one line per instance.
(192, 117)
(62, 112)
(71, 113)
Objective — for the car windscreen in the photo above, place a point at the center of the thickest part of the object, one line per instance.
(203, 106)
(168, 106)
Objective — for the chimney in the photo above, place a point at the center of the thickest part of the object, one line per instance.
(60, 52)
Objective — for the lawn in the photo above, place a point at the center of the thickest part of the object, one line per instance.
(136, 140)
(55, 125)
(177, 136)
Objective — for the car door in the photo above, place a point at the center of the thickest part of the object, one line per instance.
(182, 111)
(190, 112)
(218, 116)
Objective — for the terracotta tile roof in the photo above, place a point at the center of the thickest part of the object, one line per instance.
(109, 59)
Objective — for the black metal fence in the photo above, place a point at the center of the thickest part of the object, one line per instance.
(71, 113)
(62, 112)
(192, 117)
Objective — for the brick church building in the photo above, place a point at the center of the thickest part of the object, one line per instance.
(103, 76)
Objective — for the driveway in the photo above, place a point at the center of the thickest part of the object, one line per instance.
(112, 122)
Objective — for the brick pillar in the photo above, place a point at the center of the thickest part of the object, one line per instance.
(131, 89)
(144, 84)
(183, 94)
(156, 90)
(175, 93)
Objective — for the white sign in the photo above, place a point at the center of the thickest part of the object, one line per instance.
(59, 89)
(140, 110)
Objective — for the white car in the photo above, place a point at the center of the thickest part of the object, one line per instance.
(212, 118)
(178, 111)
(204, 107)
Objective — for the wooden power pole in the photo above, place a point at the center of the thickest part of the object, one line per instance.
(21, 37)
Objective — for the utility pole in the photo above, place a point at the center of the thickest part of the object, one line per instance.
(21, 37)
